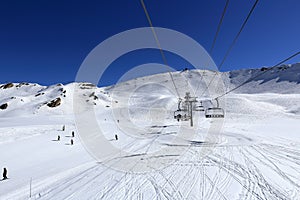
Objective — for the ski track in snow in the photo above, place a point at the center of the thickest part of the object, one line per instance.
(192, 177)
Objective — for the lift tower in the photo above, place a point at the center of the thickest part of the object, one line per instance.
(189, 101)
(185, 108)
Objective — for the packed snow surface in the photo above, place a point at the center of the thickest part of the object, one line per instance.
(253, 153)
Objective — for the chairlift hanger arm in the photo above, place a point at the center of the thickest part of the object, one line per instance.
(179, 103)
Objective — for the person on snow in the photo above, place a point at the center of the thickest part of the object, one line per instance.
(73, 134)
(4, 173)
(63, 128)
(58, 138)
(72, 142)
(116, 136)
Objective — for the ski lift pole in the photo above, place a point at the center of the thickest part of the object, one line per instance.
(191, 112)
(30, 187)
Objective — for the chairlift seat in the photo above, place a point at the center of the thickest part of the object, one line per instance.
(214, 113)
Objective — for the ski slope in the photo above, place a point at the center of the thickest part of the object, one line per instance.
(254, 153)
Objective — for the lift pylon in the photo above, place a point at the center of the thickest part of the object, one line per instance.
(186, 108)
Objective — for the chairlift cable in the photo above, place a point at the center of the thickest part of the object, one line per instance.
(232, 44)
(237, 36)
(219, 27)
(158, 44)
(215, 37)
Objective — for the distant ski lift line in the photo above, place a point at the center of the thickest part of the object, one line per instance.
(226, 55)
(188, 105)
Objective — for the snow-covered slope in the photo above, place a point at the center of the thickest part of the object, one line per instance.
(253, 153)
(284, 79)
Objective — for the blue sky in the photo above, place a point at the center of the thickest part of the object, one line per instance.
(46, 41)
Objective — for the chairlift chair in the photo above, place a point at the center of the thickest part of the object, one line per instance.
(182, 106)
(199, 107)
(181, 115)
(214, 112)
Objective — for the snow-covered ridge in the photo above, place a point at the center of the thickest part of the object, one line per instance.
(32, 98)
(282, 79)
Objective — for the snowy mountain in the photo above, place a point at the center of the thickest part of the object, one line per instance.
(253, 153)
(284, 79)
(28, 98)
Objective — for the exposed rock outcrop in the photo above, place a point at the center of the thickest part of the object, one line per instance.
(38, 94)
(54, 103)
(4, 106)
(21, 84)
(7, 85)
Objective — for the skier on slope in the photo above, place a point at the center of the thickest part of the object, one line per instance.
(4, 173)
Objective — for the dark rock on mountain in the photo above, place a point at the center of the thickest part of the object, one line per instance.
(54, 103)
(3, 106)
(8, 85)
